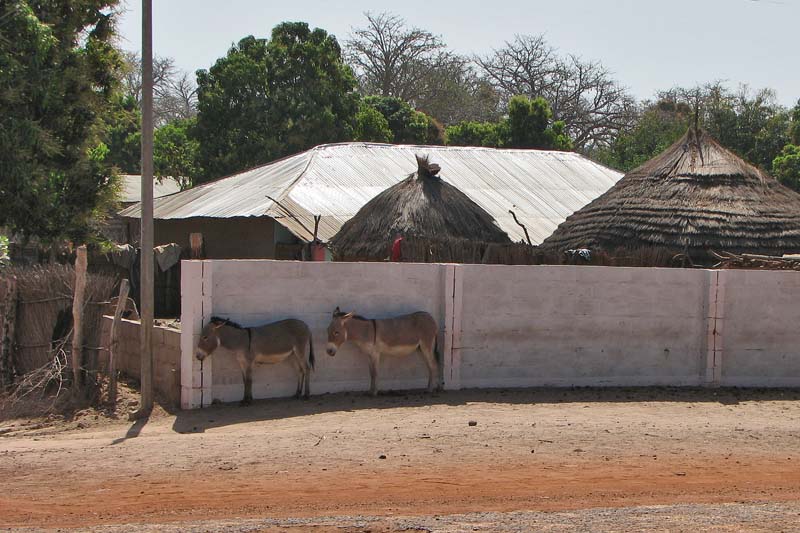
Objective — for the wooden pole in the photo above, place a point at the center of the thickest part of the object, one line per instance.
(77, 317)
(113, 341)
(147, 274)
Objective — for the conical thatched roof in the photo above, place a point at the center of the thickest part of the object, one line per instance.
(420, 206)
(695, 197)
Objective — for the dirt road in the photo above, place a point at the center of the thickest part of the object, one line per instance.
(302, 463)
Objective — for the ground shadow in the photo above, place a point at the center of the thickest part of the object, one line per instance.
(220, 415)
(133, 431)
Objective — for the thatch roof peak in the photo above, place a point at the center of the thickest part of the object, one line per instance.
(698, 155)
(426, 169)
(421, 206)
(695, 197)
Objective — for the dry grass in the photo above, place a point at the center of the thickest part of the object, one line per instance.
(43, 336)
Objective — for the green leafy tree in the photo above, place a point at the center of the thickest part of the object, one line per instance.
(786, 167)
(123, 135)
(407, 125)
(372, 126)
(794, 129)
(659, 125)
(472, 133)
(176, 152)
(751, 124)
(269, 98)
(58, 74)
(528, 125)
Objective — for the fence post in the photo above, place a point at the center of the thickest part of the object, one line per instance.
(77, 316)
(8, 316)
(122, 303)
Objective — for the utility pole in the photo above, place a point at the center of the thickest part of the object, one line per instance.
(146, 284)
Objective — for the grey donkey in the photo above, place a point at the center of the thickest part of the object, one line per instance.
(270, 343)
(398, 336)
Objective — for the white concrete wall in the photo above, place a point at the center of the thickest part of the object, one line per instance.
(507, 326)
(561, 325)
(760, 328)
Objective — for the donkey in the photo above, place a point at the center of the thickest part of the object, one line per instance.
(270, 343)
(398, 336)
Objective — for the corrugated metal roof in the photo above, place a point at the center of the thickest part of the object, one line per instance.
(131, 188)
(336, 180)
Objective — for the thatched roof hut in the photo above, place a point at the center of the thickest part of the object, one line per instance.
(422, 206)
(695, 198)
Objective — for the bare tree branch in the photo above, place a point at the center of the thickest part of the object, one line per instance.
(582, 94)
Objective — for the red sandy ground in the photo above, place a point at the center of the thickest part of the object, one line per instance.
(530, 450)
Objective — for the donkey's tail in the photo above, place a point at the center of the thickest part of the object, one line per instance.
(311, 351)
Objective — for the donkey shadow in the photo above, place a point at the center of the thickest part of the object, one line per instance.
(221, 415)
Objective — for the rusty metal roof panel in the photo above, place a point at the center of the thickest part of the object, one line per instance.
(336, 180)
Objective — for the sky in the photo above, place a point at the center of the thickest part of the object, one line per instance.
(648, 45)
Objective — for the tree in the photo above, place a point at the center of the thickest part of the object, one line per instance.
(407, 125)
(269, 98)
(473, 133)
(58, 75)
(372, 126)
(658, 125)
(174, 91)
(391, 58)
(529, 124)
(593, 106)
(176, 152)
(749, 123)
(786, 167)
(752, 124)
(794, 129)
(122, 134)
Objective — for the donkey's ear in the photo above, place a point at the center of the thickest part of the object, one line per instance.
(336, 311)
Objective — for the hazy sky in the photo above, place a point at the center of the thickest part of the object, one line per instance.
(648, 45)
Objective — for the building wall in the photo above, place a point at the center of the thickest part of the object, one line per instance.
(223, 238)
(508, 326)
(166, 356)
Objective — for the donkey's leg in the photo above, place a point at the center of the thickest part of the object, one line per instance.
(306, 369)
(303, 371)
(433, 366)
(247, 377)
(299, 369)
(374, 363)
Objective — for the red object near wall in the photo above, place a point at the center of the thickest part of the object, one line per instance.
(317, 252)
(397, 249)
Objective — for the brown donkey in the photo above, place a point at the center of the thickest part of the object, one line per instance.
(270, 343)
(398, 336)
